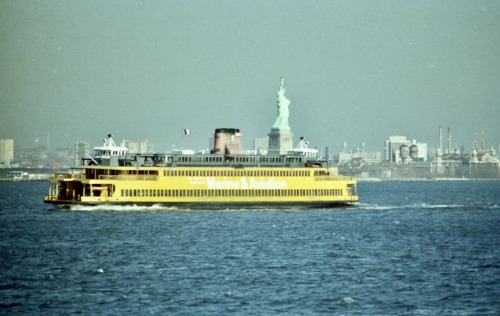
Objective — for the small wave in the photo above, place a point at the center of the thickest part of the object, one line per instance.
(442, 206)
(377, 207)
(346, 300)
(121, 208)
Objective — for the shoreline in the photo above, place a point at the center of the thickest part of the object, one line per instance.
(422, 179)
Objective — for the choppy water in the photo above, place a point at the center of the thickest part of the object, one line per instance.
(412, 248)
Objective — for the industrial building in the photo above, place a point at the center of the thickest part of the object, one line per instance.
(6, 152)
(400, 150)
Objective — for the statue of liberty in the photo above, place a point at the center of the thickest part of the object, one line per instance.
(281, 121)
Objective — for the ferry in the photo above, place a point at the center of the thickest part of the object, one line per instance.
(226, 177)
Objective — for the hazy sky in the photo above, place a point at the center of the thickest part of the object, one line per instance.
(354, 70)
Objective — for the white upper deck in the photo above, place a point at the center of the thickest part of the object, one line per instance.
(109, 148)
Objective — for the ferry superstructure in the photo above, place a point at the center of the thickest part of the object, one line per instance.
(224, 178)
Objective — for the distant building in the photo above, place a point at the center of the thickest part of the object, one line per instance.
(31, 157)
(392, 146)
(135, 147)
(358, 155)
(82, 149)
(400, 150)
(479, 163)
(6, 152)
(261, 145)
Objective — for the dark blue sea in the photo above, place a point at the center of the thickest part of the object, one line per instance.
(408, 248)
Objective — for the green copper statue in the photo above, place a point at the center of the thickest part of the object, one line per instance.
(281, 121)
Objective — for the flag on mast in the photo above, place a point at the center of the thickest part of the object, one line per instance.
(187, 131)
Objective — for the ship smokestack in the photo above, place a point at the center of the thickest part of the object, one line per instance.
(227, 141)
(440, 139)
(449, 140)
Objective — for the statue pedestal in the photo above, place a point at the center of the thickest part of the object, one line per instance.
(280, 141)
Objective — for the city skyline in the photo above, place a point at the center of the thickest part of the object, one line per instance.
(354, 71)
(479, 143)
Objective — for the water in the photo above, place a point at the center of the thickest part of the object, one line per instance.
(410, 248)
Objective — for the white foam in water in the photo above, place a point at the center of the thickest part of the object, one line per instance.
(120, 208)
(442, 206)
(377, 207)
(347, 300)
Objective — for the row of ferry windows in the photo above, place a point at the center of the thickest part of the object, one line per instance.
(239, 159)
(205, 193)
(239, 173)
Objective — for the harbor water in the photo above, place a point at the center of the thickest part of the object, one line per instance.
(408, 248)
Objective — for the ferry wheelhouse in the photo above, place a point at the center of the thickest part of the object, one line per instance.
(224, 178)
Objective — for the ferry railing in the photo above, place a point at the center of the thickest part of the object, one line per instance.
(126, 177)
(68, 176)
(332, 178)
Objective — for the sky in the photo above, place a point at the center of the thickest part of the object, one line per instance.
(355, 71)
